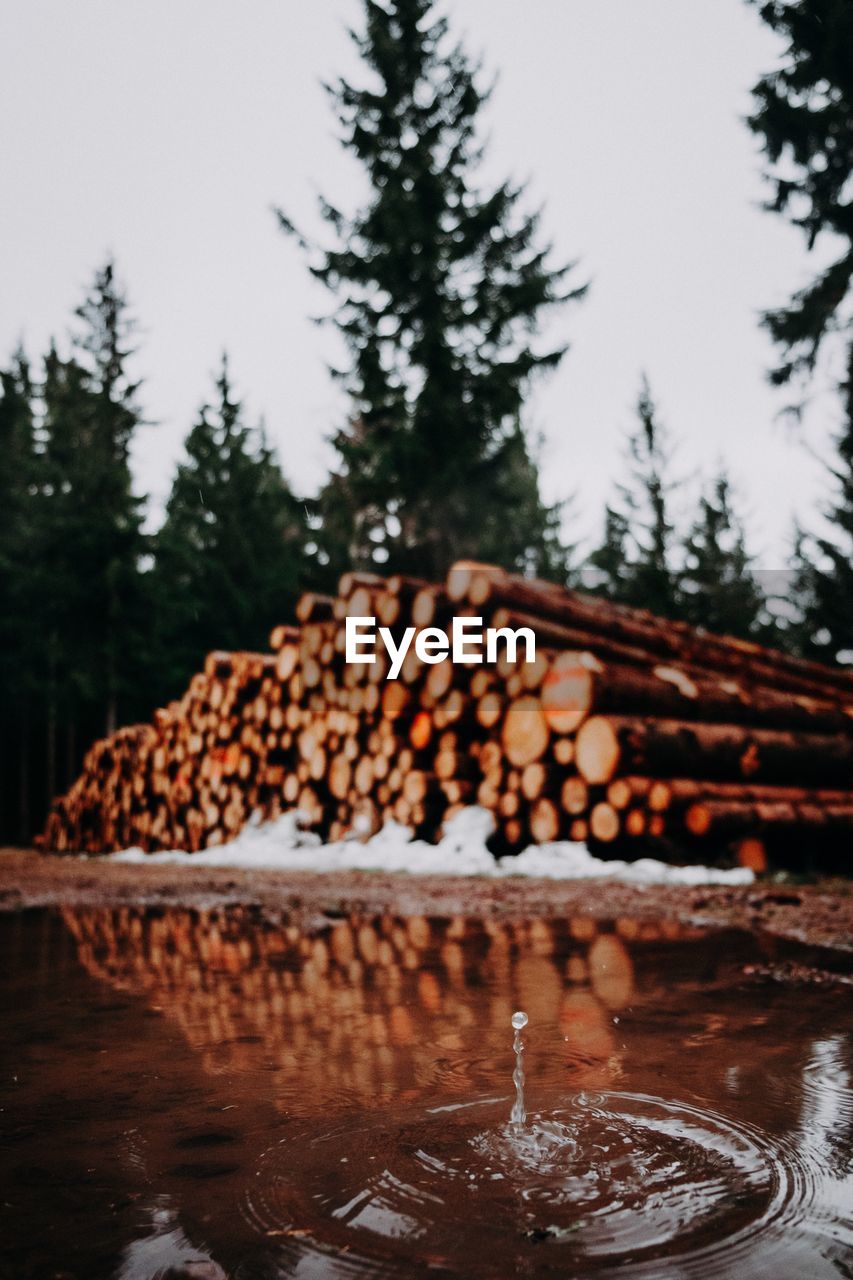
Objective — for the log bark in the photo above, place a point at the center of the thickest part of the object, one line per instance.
(493, 588)
(610, 745)
(746, 753)
(677, 793)
(726, 818)
(578, 685)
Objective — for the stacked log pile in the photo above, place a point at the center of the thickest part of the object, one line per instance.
(627, 730)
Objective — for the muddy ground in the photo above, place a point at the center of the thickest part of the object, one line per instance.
(819, 914)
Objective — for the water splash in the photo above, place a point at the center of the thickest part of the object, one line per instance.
(518, 1115)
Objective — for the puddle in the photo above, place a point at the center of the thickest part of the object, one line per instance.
(191, 1094)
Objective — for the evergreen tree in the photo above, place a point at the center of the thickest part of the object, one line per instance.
(824, 563)
(19, 636)
(439, 287)
(68, 568)
(17, 472)
(108, 515)
(70, 548)
(231, 549)
(635, 562)
(718, 588)
(607, 571)
(804, 117)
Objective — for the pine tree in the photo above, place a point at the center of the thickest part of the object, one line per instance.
(804, 117)
(719, 590)
(230, 553)
(635, 562)
(439, 286)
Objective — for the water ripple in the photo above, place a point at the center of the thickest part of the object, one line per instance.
(609, 1182)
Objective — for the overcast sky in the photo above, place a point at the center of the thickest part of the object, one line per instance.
(163, 131)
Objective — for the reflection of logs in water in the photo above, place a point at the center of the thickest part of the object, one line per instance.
(369, 1002)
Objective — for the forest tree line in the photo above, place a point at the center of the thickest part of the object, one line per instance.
(439, 288)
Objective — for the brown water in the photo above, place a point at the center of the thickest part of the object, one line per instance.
(188, 1094)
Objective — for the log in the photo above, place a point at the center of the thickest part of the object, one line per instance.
(557, 636)
(312, 607)
(538, 779)
(608, 745)
(674, 793)
(604, 823)
(563, 750)
(492, 587)
(525, 731)
(578, 685)
(544, 821)
(574, 796)
(622, 727)
(726, 818)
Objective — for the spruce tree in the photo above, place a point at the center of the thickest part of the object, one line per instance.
(230, 553)
(719, 590)
(635, 562)
(439, 287)
(804, 117)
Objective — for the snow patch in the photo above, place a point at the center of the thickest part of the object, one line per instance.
(284, 845)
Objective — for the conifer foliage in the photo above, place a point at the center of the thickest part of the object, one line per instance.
(19, 630)
(99, 621)
(804, 117)
(718, 588)
(439, 286)
(229, 556)
(635, 562)
(71, 544)
(704, 574)
(824, 560)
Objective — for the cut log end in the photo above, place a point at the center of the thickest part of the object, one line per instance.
(525, 731)
(597, 750)
(751, 853)
(604, 822)
(567, 693)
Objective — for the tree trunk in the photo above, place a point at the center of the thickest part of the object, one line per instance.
(661, 636)
(611, 745)
(578, 685)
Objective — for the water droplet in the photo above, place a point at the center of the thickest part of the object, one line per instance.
(519, 1020)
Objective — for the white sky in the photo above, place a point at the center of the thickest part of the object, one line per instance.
(163, 131)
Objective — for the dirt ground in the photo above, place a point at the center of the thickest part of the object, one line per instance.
(819, 914)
